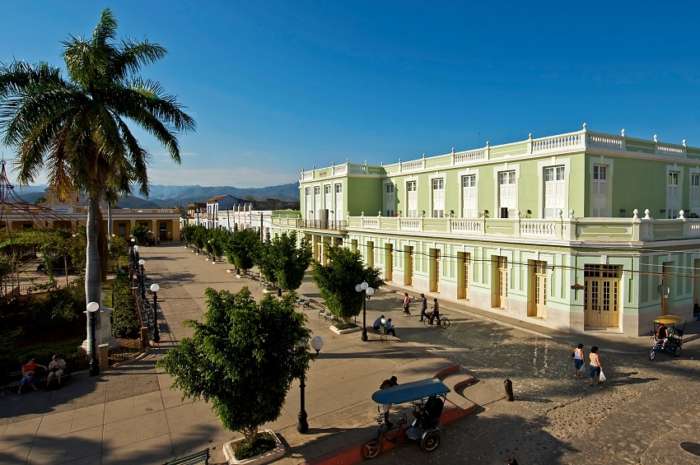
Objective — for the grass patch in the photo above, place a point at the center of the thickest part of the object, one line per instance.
(263, 442)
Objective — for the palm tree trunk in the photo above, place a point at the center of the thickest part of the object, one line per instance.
(93, 271)
(109, 226)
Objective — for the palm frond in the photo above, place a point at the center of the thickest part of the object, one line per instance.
(105, 29)
(133, 55)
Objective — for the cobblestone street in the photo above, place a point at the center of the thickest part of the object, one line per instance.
(646, 412)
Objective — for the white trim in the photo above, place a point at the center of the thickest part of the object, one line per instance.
(694, 208)
(609, 171)
(385, 183)
(674, 168)
(496, 197)
(442, 176)
(405, 181)
(553, 161)
(468, 172)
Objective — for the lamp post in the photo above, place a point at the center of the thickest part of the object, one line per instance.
(91, 310)
(303, 424)
(156, 333)
(367, 292)
(142, 278)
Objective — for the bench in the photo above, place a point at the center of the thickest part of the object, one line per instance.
(198, 458)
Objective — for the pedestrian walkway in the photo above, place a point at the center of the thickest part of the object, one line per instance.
(133, 415)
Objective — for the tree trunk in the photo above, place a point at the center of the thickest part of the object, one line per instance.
(93, 271)
(65, 267)
(109, 226)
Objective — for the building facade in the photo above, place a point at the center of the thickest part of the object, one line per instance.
(580, 231)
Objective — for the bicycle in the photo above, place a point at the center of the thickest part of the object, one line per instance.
(444, 322)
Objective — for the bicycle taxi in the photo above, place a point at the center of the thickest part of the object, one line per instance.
(427, 399)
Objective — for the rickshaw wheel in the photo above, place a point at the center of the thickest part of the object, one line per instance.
(430, 441)
(370, 449)
(677, 351)
(652, 354)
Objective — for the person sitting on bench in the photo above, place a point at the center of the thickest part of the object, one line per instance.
(389, 328)
(29, 374)
(56, 368)
(378, 323)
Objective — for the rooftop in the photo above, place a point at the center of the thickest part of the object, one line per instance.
(571, 142)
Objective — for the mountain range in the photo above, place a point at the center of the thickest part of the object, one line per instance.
(174, 196)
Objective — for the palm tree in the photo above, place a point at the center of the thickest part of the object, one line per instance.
(77, 129)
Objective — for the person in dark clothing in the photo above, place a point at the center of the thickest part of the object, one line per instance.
(386, 384)
(389, 328)
(423, 307)
(436, 312)
(662, 334)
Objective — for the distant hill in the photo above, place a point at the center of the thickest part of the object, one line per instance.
(281, 196)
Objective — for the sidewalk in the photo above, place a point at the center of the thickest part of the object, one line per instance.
(132, 415)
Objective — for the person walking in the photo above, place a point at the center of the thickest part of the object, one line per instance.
(406, 303)
(436, 312)
(595, 365)
(578, 357)
(423, 307)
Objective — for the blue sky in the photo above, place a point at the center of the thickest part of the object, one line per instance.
(277, 86)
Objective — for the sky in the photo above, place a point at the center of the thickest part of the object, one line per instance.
(280, 86)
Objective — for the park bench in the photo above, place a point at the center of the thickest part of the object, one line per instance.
(198, 458)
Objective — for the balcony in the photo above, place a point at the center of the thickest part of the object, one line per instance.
(299, 223)
(561, 231)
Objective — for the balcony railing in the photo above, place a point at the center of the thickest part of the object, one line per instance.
(332, 225)
(569, 230)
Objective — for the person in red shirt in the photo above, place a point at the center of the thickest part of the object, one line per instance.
(28, 374)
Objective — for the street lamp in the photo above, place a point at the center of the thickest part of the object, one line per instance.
(92, 309)
(156, 334)
(367, 292)
(303, 424)
(142, 278)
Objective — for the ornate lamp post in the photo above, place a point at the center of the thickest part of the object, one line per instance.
(91, 310)
(303, 424)
(367, 292)
(156, 333)
(142, 278)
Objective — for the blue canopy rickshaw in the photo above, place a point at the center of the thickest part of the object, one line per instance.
(428, 399)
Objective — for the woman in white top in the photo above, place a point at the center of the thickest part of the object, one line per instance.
(578, 357)
(595, 364)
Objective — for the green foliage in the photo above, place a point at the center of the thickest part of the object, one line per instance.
(282, 262)
(338, 279)
(125, 320)
(242, 358)
(242, 248)
(118, 252)
(140, 233)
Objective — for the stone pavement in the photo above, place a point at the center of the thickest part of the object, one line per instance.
(131, 414)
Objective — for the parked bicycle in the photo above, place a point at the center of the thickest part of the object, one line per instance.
(443, 322)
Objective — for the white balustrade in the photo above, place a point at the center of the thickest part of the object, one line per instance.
(469, 156)
(606, 141)
(340, 169)
(412, 165)
(466, 225)
(670, 149)
(693, 229)
(307, 175)
(539, 229)
(553, 143)
(410, 224)
(370, 223)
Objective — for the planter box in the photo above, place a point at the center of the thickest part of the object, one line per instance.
(267, 457)
(352, 329)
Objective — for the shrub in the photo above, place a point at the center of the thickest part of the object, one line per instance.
(125, 321)
(140, 233)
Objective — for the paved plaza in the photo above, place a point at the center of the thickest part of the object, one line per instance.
(647, 413)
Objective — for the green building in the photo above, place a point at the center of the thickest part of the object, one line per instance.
(580, 231)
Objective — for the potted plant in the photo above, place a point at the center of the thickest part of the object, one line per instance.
(266, 347)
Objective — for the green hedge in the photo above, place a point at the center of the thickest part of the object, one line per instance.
(125, 321)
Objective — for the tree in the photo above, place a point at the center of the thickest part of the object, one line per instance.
(338, 279)
(77, 128)
(290, 261)
(242, 248)
(265, 259)
(242, 358)
(140, 233)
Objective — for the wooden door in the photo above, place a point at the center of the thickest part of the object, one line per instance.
(500, 281)
(537, 298)
(389, 262)
(601, 296)
(463, 262)
(408, 266)
(665, 286)
(434, 271)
